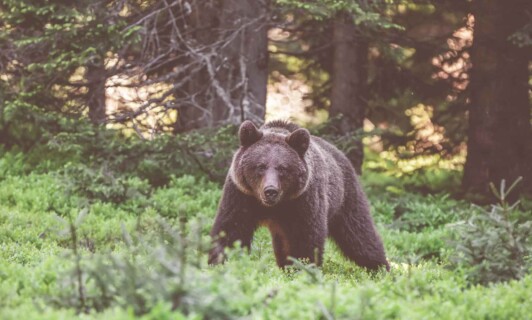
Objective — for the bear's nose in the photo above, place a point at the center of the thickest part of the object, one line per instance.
(271, 192)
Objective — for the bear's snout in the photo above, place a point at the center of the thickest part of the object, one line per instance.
(271, 193)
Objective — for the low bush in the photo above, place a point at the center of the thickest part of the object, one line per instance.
(149, 277)
(128, 264)
(143, 276)
(496, 245)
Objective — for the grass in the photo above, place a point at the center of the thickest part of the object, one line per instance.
(36, 261)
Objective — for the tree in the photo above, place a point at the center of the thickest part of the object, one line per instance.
(207, 60)
(245, 69)
(349, 82)
(203, 21)
(500, 134)
(53, 63)
(172, 65)
(96, 95)
(331, 39)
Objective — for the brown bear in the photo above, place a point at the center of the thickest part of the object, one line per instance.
(303, 189)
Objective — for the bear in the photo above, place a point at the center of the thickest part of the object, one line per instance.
(303, 189)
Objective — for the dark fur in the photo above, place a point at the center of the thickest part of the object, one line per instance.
(332, 202)
(284, 124)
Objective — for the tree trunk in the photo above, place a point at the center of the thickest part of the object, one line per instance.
(244, 73)
(96, 78)
(349, 83)
(500, 134)
(203, 21)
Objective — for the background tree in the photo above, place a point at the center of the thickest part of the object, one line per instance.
(159, 60)
(500, 133)
(349, 82)
(53, 62)
(201, 65)
(149, 67)
(246, 61)
(330, 39)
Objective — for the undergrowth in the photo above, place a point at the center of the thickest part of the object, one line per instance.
(496, 243)
(109, 237)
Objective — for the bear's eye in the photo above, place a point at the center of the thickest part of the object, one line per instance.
(282, 168)
(261, 167)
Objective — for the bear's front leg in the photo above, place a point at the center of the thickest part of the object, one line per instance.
(298, 249)
(300, 237)
(308, 247)
(234, 222)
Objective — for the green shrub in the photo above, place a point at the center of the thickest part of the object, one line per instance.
(35, 193)
(82, 147)
(133, 266)
(11, 163)
(387, 171)
(103, 165)
(201, 153)
(186, 197)
(414, 212)
(432, 211)
(496, 244)
(101, 183)
(140, 276)
(144, 276)
(404, 246)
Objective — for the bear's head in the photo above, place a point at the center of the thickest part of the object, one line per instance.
(270, 164)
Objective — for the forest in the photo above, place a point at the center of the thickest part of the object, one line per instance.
(119, 120)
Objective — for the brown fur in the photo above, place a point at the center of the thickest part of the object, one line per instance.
(279, 238)
(303, 189)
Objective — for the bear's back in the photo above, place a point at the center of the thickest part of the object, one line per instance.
(333, 175)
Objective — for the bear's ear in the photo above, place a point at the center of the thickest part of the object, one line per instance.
(299, 140)
(249, 134)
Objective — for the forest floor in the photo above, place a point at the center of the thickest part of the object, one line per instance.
(145, 257)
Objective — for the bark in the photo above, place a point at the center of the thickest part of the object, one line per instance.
(96, 78)
(500, 134)
(349, 83)
(203, 22)
(244, 73)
